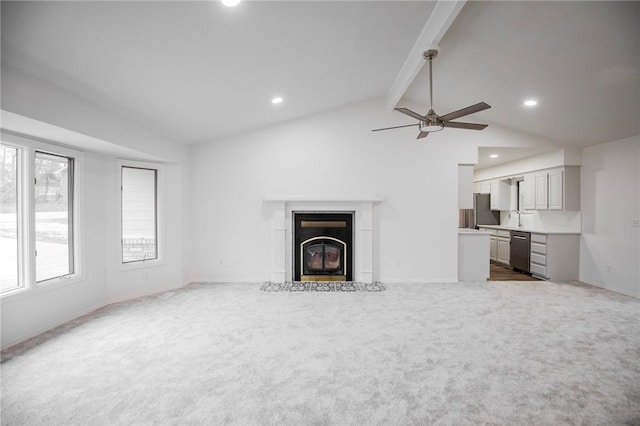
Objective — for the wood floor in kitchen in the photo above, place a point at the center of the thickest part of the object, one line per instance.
(500, 273)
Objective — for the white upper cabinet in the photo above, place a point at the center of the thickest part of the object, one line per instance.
(541, 191)
(482, 187)
(529, 192)
(555, 189)
(500, 195)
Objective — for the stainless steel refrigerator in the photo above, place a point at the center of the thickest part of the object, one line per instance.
(481, 214)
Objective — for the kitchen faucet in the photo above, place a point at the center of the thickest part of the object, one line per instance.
(516, 211)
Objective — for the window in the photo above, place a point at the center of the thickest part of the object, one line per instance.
(139, 213)
(53, 216)
(39, 242)
(520, 206)
(9, 219)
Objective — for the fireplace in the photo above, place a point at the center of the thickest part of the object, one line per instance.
(323, 246)
(281, 211)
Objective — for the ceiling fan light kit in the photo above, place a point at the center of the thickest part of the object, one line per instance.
(432, 122)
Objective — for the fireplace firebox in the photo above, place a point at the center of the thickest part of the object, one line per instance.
(323, 246)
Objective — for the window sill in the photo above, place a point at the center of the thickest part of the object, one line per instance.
(40, 288)
(140, 265)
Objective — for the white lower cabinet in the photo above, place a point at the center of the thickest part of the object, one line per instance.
(504, 247)
(493, 248)
(493, 243)
(538, 258)
(555, 256)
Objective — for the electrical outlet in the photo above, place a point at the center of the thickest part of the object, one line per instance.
(636, 222)
(608, 268)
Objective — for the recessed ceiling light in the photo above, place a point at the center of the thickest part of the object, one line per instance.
(277, 100)
(230, 3)
(494, 156)
(530, 102)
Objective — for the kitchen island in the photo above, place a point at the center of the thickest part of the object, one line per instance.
(473, 255)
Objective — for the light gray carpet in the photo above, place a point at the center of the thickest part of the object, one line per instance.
(516, 353)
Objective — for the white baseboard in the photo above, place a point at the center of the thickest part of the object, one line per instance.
(41, 330)
(82, 312)
(111, 301)
(614, 289)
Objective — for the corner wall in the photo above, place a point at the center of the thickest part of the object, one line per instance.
(33, 312)
(610, 197)
(52, 114)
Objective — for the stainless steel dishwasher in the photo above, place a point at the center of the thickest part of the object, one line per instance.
(520, 250)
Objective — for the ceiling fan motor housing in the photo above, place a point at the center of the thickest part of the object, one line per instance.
(430, 54)
(432, 122)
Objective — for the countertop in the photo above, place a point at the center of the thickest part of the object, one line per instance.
(469, 231)
(556, 231)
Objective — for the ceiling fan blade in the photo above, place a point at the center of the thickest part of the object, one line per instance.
(465, 111)
(470, 126)
(396, 127)
(422, 135)
(410, 113)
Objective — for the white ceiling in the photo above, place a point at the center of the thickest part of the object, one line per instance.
(504, 155)
(196, 71)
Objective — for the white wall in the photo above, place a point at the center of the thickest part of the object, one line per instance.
(333, 154)
(125, 283)
(610, 201)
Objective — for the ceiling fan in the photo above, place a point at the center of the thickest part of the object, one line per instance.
(432, 122)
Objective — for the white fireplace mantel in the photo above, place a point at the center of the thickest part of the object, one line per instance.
(281, 223)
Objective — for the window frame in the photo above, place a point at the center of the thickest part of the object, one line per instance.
(71, 217)
(21, 162)
(27, 149)
(159, 169)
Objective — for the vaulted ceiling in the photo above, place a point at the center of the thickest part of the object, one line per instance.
(197, 71)
(579, 60)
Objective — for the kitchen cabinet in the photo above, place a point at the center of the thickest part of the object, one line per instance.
(555, 189)
(564, 188)
(530, 192)
(503, 249)
(555, 256)
(482, 187)
(493, 248)
(500, 194)
(541, 190)
(473, 253)
(538, 266)
(493, 243)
